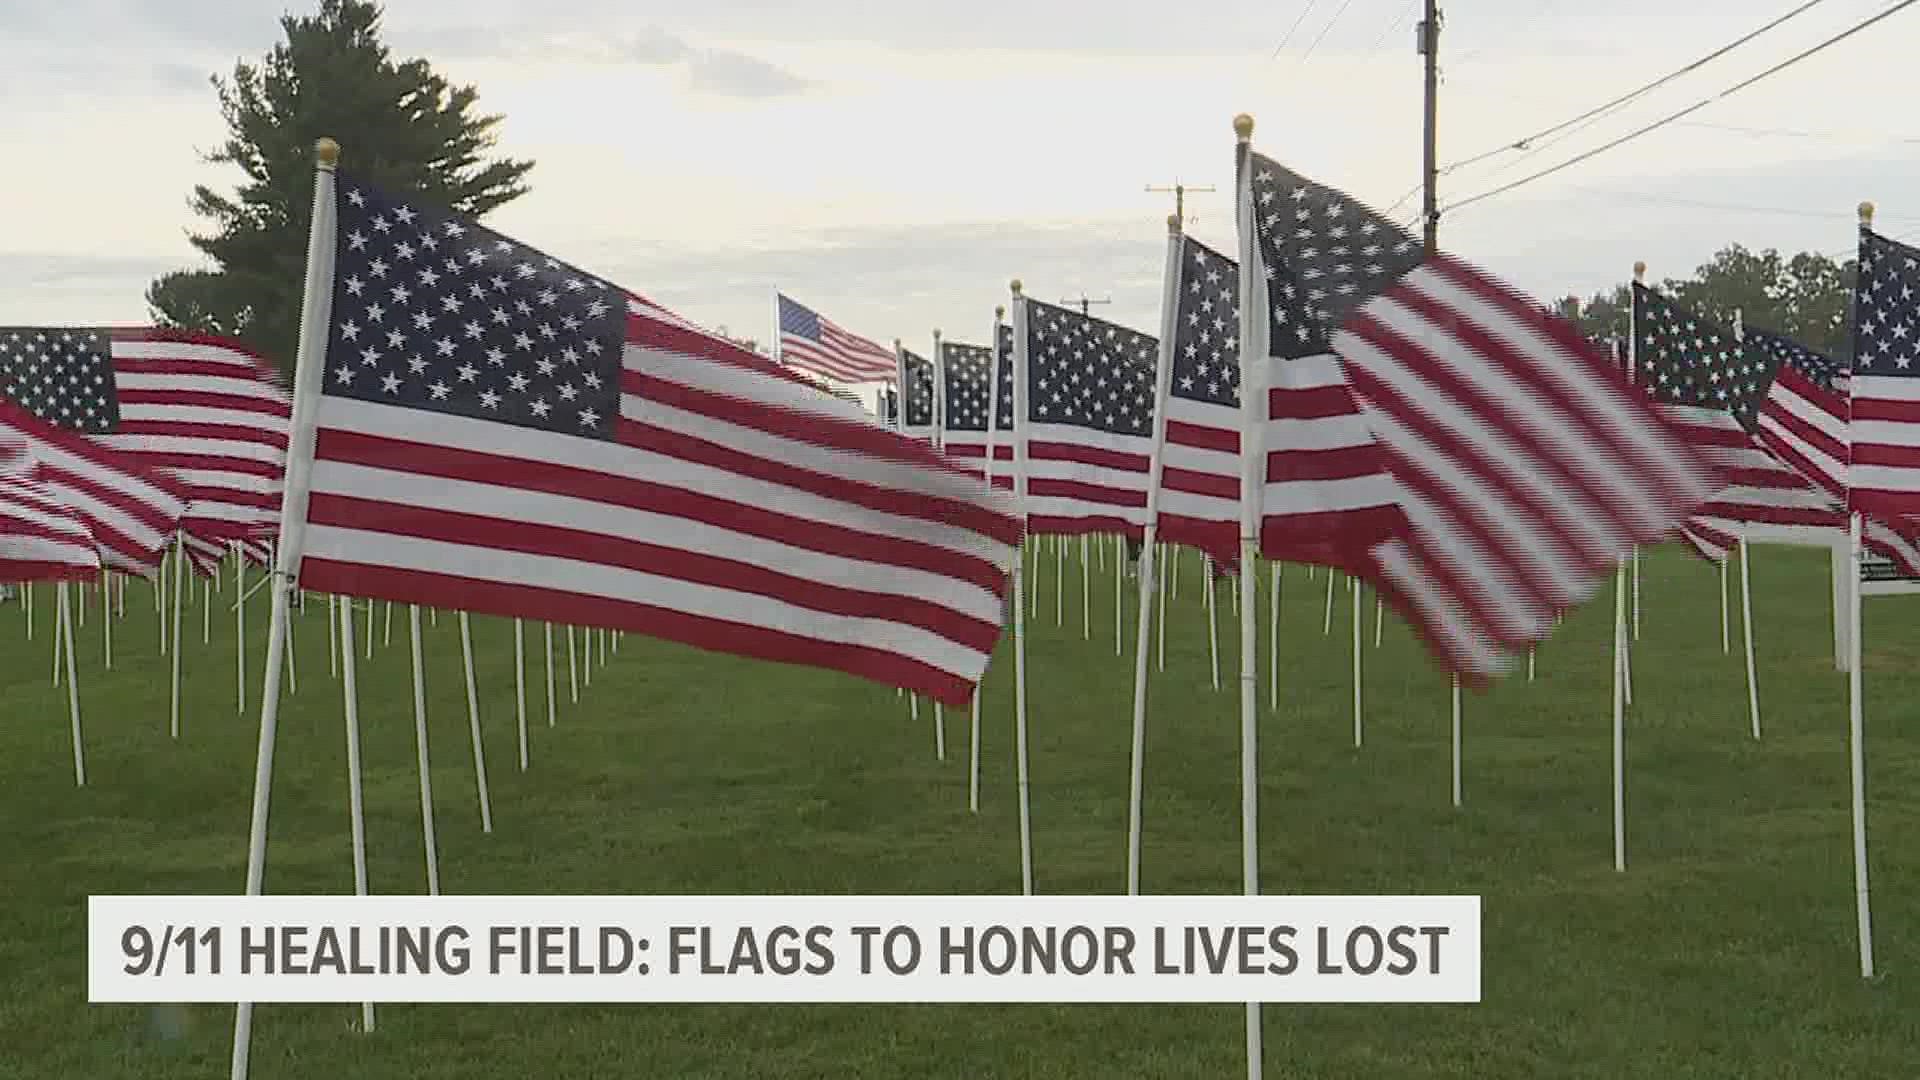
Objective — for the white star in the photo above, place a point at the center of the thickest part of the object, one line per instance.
(489, 399)
(440, 391)
(540, 408)
(468, 372)
(390, 383)
(416, 365)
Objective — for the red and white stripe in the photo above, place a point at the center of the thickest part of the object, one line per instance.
(40, 539)
(208, 412)
(968, 450)
(131, 510)
(839, 355)
(1885, 473)
(1760, 490)
(1807, 427)
(738, 510)
(1084, 481)
(1199, 498)
(1526, 464)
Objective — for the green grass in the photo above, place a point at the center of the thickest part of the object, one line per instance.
(1726, 950)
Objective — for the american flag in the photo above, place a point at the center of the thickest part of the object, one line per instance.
(40, 539)
(1820, 370)
(1713, 385)
(131, 510)
(1327, 495)
(502, 433)
(1089, 391)
(916, 382)
(1199, 498)
(1804, 423)
(204, 410)
(1525, 464)
(1886, 378)
(811, 343)
(967, 372)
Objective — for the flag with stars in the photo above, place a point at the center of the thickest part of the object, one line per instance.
(812, 343)
(1088, 436)
(503, 433)
(1198, 504)
(40, 539)
(967, 372)
(917, 394)
(205, 411)
(1525, 465)
(1886, 378)
(1714, 385)
(131, 510)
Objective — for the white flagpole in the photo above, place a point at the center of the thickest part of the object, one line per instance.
(520, 689)
(240, 612)
(551, 711)
(386, 630)
(1086, 590)
(573, 669)
(106, 613)
(64, 630)
(26, 606)
(1059, 581)
(1161, 590)
(1252, 391)
(1380, 618)
(1726, 637)
(1119, 597)
(1856, 747)
(80, 600)
(179, 589)
(1456, 740)
(1636, 592)
(586, 665)
(1746, 621)
(1273, 644)
(315, 317)
(1326, 625)
(333, 637)
(1213, 629)
(356, 815)
(370, 607)
(59, 642)
(420, 753)
(1156, 466)
(1358, 623)
(160, 599)
(473, 721)
(1020, 428)
(206, 607)
(1620, 718)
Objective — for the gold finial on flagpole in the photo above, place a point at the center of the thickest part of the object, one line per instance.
(999, 312)
(326, 152)
(1015, 285)
(1866, 213)
(1640, 272)
(1173, 224)
(1243, 127)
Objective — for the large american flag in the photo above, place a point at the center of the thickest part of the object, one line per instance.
(916, 383)
(1525, 464)
(1713, 384)
(40, 539)
(1199, 497)
(810, 342)
(131, 510)
(1327, 496)
(503, 433)
(1088, 433)
(1886, 377)
(205, 410)
(967, 397)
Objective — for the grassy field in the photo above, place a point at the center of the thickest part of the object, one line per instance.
(1726, 950)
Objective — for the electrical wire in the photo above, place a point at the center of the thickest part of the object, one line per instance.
(1302, 17)
(1632, 95)
(1323, 30)
(1393, 24)
(1745, 208)
(1695, 107)
(1791, 133)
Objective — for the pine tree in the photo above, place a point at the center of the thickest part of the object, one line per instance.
(402, 127)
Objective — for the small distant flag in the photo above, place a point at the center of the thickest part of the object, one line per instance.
(917, 394)
(810, 342)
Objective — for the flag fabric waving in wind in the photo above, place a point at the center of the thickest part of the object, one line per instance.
(1713, 385)
(810, 342)
(1525, 465)
(1885, 474)
(203, 410)
(967, 397)
(1088, 431)
(500, 432)
(1199, 499)
(40, 540)
(916, 390)
(130, 510)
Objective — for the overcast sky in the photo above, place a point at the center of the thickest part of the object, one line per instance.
(894, 164)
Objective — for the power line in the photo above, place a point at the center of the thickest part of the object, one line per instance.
(1695, 107)
(1796, 134)
(1323, 30)
(1745, 208)
(1521, 143)
(1302, 17)
(1394, 24)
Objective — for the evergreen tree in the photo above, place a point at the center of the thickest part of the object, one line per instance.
(401, 127)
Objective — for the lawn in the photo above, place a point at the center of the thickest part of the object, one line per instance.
(1726, 949)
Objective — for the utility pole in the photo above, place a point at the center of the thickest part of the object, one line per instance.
(1085, 302)
(1430, 49)
(1179, 197)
